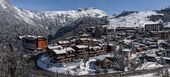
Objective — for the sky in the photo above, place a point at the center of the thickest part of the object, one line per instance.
(109, 6)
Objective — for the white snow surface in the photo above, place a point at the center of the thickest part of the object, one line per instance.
(138, 19)
(145, 75)
(44, 63)
(149, 65)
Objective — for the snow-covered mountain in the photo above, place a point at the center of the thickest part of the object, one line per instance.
(22, 21)
(133, 19)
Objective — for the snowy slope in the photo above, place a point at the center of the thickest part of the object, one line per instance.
(27, 22)
(137, 19)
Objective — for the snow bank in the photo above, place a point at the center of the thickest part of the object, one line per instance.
(144, 75)
(149, 65)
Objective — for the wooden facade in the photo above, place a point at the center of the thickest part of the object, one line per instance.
(60, 54)
(34, 42)
(41, 43)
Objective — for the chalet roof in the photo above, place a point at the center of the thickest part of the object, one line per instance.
(85, 35)
(63, 42)
(55, 47)
(167, 58)
(152, 52)
(110, 44)
(94, 40)
(104, 26)
(61, 51)
(81, 46)
(102, 57)
(95, 47)
(31, 37)
(127, 41)
(85, 39)
(161, 41)
(126, 50)
(69, 49)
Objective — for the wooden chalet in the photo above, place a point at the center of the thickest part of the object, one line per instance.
(103, 63)
(86, 41)
(94, 51)
(60, 54)
(64, 43)
(80, 50)
(127, 53)
(111, 48)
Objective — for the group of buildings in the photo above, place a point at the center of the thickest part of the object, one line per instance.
(124, 42)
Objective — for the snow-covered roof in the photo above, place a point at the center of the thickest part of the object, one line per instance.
(85, 35)
(63, 42)
(62, 51)
(127, 41)
(167, 58)
(85, 39)
(95, 47)
(126, 50)
(152, 52)
(104, 25)
(81, 46)
(161, 41)
(110, 44)
(55, 47)
(94, 39)
(69, 49)
(30, 37)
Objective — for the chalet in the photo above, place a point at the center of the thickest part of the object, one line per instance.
(86, 41)
(70, 53)
(161, 43)
(131, 30)
(167, 60)
(111, 48)
(120, 33)
(64, 43)
(159, 34)
(33, 42)
(166, 28)
(84, 35)
(57, 53)
(151, 55)
(141, 47)
(109, 63)
(80, 50)
(60, 54)
(94, 42)
(166, 49)
(94, 51)
(104, 62)
(127, 53)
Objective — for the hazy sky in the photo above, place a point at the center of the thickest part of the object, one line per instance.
(109, 6)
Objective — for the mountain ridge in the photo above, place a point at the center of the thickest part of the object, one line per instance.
(16, 22)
